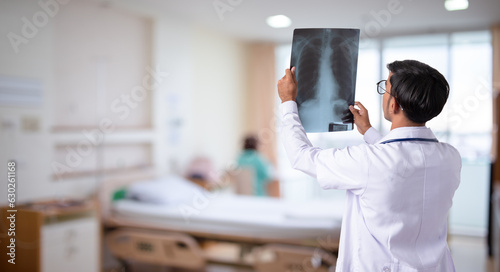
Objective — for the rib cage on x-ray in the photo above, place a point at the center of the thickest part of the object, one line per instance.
(326, 63)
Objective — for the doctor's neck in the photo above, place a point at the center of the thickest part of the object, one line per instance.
(400, 120)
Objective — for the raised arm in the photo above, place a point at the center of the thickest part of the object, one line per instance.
(333, 168)
(300, 151)
(301, 154)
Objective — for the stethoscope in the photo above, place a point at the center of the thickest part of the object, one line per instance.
(410, 139)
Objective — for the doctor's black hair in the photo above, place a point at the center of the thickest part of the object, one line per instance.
(420, 90)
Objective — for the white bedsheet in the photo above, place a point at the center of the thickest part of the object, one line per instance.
(245, 216)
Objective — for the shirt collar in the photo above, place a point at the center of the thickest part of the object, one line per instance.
(409, 132)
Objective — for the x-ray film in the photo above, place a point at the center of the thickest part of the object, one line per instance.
(326, 61)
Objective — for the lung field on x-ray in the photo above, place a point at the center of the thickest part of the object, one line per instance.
(326, 63)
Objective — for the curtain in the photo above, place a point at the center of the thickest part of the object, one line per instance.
(260, 99)
(260, 102)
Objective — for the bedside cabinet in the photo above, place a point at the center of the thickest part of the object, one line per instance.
(53, 236)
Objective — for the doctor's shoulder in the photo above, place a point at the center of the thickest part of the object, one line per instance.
(454, 154)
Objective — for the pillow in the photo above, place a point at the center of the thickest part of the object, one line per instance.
(170, 190)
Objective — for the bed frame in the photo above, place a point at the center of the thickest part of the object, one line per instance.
(132, 241)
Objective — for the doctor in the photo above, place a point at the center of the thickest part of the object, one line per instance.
(399, 187)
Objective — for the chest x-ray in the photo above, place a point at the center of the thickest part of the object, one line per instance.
(325, 63)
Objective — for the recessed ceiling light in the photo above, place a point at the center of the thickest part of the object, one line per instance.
(278, 21)
(452, 5)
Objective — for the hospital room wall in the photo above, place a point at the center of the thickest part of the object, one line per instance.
(27, 131)
(198, 107)
(31, 149)
(39, 58)
(204, 94)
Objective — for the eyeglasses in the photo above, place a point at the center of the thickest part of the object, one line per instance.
(381, 89)
(381, 86)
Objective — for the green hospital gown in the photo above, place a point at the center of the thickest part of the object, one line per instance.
(260, 167)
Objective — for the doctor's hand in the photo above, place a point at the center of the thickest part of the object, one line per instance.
(361, 118)
(287, 86)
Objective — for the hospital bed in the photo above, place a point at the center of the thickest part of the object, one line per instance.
(263, 233)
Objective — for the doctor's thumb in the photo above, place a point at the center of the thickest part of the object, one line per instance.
(353, 110)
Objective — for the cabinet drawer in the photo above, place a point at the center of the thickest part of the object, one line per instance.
(71, 246)
(66, 231)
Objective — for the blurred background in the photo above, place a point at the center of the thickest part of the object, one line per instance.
(96, 89)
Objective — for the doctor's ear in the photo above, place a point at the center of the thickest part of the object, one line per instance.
(394, 106)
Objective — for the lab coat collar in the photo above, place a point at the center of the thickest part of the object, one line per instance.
(409, 132)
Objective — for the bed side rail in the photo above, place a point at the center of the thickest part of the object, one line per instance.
(177, 250)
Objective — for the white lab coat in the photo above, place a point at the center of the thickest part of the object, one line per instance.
(398, 195)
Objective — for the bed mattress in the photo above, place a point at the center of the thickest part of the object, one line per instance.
(243, 216)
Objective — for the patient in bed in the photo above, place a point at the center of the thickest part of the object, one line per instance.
(260, 167)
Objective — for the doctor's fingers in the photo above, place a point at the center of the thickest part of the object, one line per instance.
(360, 116)
(293, 74)
(290, 74)
(285, 82)
(354, 111)
(361, 107)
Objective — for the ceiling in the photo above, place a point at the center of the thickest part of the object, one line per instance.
(245, 19)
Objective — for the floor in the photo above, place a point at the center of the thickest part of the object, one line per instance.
(469, 255)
